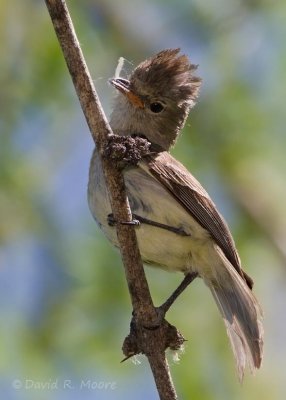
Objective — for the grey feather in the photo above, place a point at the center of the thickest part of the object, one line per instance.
(242, 316)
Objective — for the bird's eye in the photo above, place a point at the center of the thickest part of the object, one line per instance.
(156, 107)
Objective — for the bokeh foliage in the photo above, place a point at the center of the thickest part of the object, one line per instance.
(64, 303)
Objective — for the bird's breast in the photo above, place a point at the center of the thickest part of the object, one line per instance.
(149, 199)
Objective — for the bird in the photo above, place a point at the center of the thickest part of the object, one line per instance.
(180, 227)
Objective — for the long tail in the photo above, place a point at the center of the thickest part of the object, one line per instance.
(241, 313)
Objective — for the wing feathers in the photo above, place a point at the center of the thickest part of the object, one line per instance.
(192, 196)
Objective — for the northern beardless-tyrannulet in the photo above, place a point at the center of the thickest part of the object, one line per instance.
(188, 234)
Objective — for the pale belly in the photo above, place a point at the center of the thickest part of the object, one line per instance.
(148, 199)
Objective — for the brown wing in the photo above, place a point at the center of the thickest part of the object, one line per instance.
(192, 196)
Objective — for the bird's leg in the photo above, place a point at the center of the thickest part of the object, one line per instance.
(137, 220)
(189, 277)
(179, 231)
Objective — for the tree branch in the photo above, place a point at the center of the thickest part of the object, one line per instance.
(151, 342)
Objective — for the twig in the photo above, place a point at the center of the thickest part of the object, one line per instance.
(152, 343)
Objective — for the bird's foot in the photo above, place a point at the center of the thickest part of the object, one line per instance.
(139, 337)
(113, 222)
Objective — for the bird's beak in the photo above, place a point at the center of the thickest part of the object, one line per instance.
(123, 85)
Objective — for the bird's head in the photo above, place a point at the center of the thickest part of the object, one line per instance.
(156, 99)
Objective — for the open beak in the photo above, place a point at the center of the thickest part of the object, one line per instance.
(123, 85)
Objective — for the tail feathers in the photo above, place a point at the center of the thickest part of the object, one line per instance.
(242, 316)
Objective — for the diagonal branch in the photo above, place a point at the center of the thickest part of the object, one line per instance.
(152, 343)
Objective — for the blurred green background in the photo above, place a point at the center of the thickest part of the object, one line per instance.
(64, 303)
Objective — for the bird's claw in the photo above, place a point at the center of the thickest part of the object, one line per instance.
(112, 221)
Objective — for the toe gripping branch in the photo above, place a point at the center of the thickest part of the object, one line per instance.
(112, 221)
(168, 335)
(137, 340)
